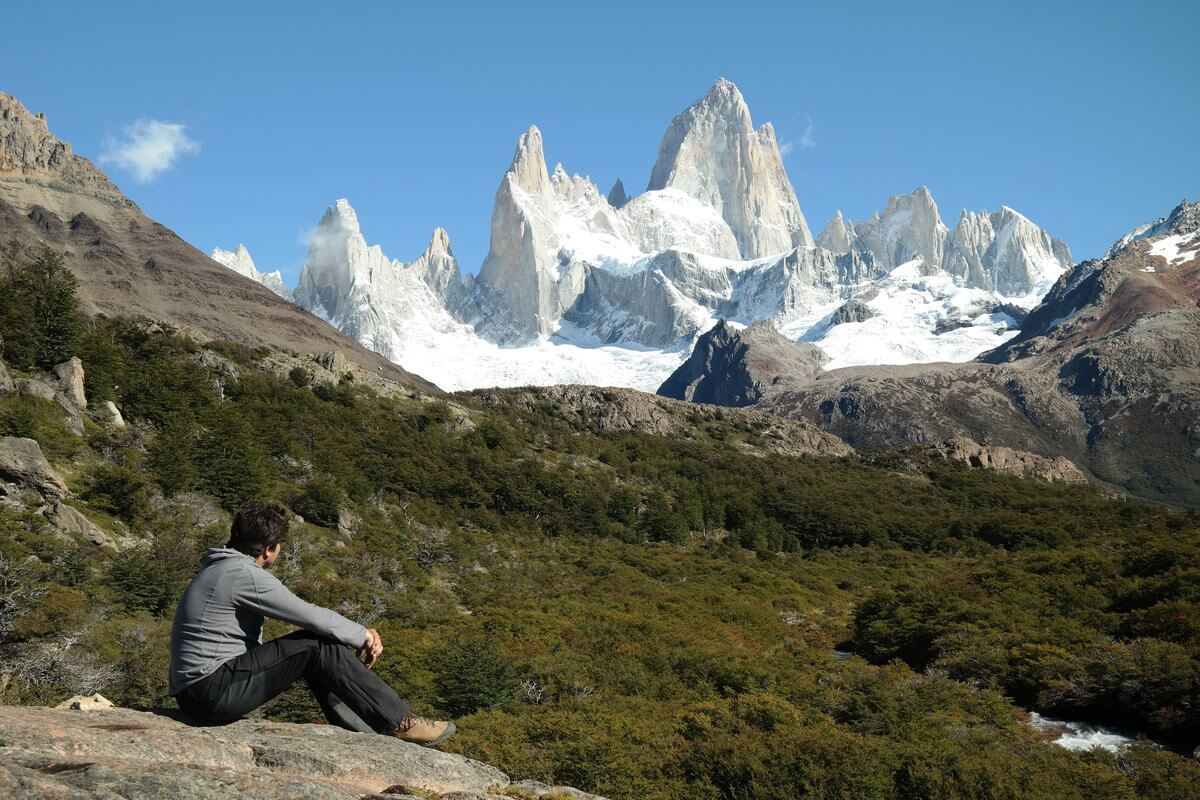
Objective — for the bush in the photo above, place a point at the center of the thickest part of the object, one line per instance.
(470, 674)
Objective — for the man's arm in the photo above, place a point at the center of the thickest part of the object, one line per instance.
(260, 591)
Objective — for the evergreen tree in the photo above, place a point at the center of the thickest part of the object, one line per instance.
(40, 321)
(233, 467)
(471, 674)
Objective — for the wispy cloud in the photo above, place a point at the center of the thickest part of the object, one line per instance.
(809, 138)
(148, 148)
(805, 141)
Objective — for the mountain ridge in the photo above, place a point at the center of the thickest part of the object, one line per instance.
(615, 289)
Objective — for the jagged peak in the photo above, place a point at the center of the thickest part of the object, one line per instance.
(528, 166)
(439, 244)
(341, 214)
(617, 198)
(723, 99)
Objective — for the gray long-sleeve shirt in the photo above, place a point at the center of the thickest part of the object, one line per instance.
(220, 615)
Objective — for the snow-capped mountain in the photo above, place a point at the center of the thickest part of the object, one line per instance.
(239, 261)
(578, 286)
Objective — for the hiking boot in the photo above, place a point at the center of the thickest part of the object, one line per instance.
(427, 732)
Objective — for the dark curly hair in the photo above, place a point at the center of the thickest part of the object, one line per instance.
(257, 526)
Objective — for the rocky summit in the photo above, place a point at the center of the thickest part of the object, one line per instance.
(111, 752)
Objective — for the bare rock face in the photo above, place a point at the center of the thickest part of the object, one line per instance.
(7, 384)
(853, 310)
(110, 415)
(712, 152)
(839, 235)
(961, 450)
(521, 263)
(729, 367)
(910, 227)
(616, 196)
(51, 753)
(70, 380)
(74, 524)
(22, 462)
(30, 155)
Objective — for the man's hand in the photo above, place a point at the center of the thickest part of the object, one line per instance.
(371, 647)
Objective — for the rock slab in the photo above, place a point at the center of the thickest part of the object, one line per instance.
(22, 462)
(51, 753)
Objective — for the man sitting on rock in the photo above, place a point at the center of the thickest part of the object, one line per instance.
(221, 669)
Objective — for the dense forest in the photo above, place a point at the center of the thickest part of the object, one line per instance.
(636, 615)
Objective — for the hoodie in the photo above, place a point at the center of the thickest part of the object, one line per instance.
(220, 615)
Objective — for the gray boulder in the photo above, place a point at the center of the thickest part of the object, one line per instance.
(136, 755)
(32, 387)
(70, 381)
(22, 462)
(110, 415)
(73, 523)
(7, 384)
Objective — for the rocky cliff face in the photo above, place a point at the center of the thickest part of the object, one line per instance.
(731, 367)
(52, 753)
(522, 263)
(129, 265)
(712, 152)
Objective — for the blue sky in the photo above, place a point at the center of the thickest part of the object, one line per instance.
(1081, 115)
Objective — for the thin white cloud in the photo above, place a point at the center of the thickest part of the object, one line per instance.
(148, 148)
(809, 138)
(804, 142)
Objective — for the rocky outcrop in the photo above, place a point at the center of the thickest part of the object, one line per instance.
(712, 152)
(70, 380)
(50, 753)
(128, 265)
(7, 384)
(598, 409)
(839, 234)
(109, 415)
(730, 367)
(616, 195)
(853, 310)
(74, 524)
(22, 463)
(968, 452)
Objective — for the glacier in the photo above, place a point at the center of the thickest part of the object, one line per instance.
(583, 287)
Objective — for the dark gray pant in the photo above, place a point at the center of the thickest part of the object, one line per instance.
(351, 695)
